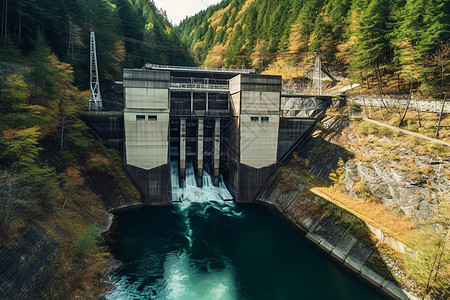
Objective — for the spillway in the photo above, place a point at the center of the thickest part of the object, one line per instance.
(190, 192)
(182, 274)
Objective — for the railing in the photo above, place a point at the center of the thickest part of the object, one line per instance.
(291, 92)
(202, 86)
(200, 113)
(181, 68)
(198, 80)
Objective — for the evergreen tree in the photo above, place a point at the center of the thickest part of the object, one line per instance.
(372, 43)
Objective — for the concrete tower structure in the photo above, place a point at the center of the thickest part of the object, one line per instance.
(146, 119)
(256, 112)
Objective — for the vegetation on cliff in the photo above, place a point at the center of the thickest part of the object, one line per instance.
(54, 173)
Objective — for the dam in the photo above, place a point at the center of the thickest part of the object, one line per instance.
(227, 122)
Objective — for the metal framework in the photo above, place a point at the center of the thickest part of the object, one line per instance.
(149, 66)
(95, 102)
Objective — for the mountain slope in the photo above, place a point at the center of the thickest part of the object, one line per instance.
(373, 40)
(128, 34)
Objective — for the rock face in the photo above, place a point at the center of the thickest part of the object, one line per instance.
(390, 170)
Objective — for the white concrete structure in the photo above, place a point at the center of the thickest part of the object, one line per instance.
(256, 104)
(146, 117)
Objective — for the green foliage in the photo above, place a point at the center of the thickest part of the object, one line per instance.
(64, 26)
(21, 146)
(16, 89)
(43, 87)
(374, 39)
(88, 240)
(372, 44)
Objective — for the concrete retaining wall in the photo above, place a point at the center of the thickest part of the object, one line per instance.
(330, 231)
(399, 101)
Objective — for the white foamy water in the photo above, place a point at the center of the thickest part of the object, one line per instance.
(192, 193)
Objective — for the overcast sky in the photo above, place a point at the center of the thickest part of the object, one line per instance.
(178, 9)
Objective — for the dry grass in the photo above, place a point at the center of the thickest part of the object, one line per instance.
(371, 212)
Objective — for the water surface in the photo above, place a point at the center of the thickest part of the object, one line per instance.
(202, 249)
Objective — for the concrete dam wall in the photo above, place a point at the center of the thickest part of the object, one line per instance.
(231, 123)
(227, 122)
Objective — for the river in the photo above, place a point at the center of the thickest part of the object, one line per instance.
(215, 249)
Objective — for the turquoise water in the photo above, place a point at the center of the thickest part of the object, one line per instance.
(203, 249)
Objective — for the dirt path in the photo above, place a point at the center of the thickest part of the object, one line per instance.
(406, 132)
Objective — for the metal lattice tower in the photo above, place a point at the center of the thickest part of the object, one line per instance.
(317, 76)
(95, 102)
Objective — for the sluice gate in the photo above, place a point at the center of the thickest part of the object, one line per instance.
(225, 122)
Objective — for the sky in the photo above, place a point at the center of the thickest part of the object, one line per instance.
(177, 10)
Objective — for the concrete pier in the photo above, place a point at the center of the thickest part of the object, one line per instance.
(182, 171)
(146, 132)
(200, 153)
(216, 152)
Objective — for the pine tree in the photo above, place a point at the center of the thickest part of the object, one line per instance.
(372, 44)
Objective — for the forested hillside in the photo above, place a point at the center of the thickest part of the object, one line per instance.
(373, 41)
(57, 179)
(128, 34)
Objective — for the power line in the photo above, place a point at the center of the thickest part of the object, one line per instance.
(185, 51)
(173, 49)
(205, 3)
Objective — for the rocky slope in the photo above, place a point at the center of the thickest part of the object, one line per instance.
(396, 183)
(407, 174)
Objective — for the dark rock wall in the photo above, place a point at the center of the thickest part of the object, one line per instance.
(21, 265)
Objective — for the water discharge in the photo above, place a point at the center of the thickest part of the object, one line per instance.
(205, 247)
(183, 277)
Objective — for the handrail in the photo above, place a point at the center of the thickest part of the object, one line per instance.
(166, 67)
(199, 86)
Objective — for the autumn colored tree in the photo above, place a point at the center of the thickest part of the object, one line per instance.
(16, 90)
(72, 180)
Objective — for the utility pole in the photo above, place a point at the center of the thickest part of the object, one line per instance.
(317, 76)
(95, 102)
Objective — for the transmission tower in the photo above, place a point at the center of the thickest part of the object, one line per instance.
(317, 76)
(95, 102)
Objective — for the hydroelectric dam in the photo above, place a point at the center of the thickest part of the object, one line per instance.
(232, 124)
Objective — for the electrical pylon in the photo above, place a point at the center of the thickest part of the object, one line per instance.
(95, 102)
